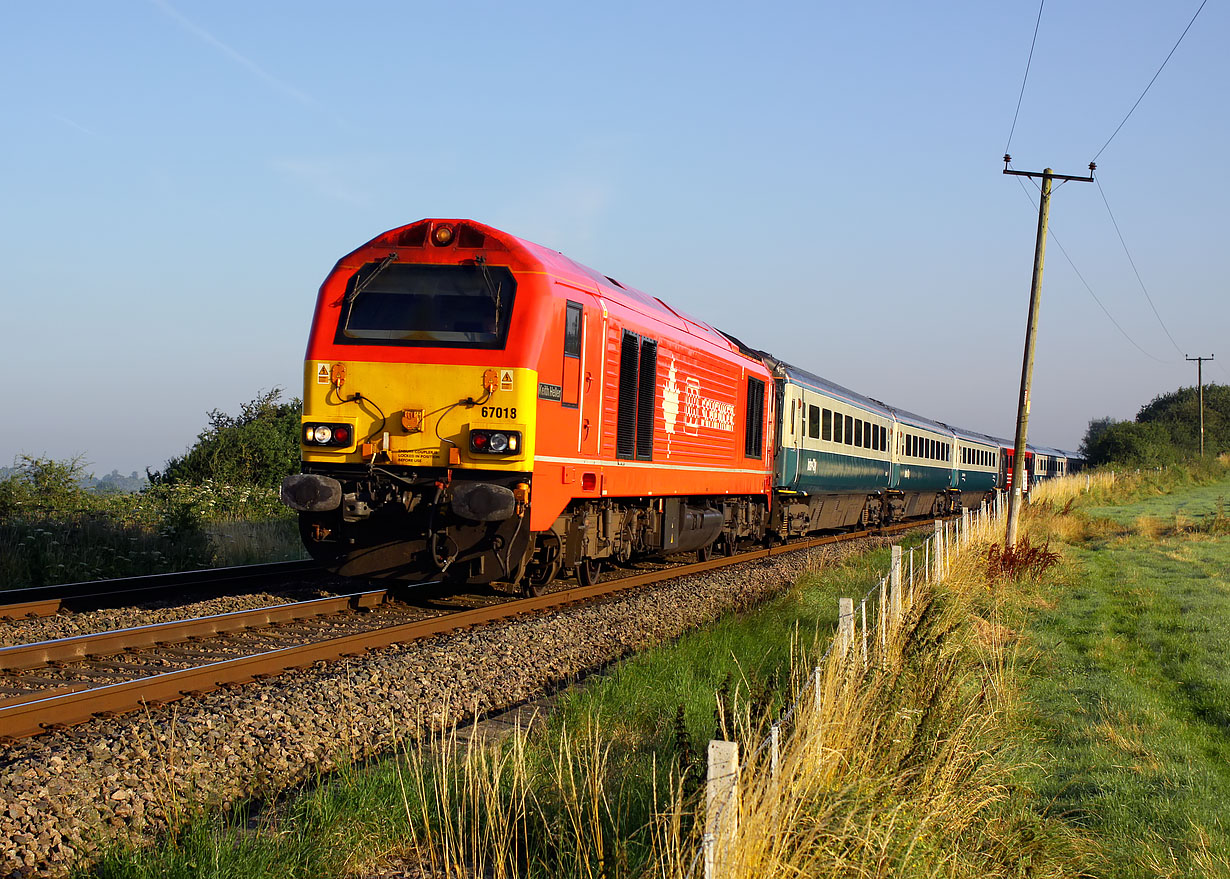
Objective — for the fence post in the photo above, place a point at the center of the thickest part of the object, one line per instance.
(939, 550)
(863, 607)
(927, 560)
(818, 686)
(883, 620)
(911, 576)
(895, 575)
(775, 738)
(845, 627)
(721, 803)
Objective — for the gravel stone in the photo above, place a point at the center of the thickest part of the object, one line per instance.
(65, 795)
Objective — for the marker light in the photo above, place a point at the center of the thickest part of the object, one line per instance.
(499, 442)
(442, 235)
(322, 434)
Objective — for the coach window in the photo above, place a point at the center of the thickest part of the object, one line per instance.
(826, 428)
(813, 422)
(849, 430)
(838, 421)
(858, 432)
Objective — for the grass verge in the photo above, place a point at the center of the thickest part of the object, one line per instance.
(1128, 690)
(907, 773)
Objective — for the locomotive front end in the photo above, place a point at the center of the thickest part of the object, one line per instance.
(417, 435)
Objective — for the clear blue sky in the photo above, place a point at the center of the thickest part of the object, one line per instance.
(823, 181)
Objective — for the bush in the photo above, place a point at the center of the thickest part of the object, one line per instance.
(258, 447)
(54, 531)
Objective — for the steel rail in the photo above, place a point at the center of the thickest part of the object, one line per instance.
(27, 656)
(26, 716)
(37, 601)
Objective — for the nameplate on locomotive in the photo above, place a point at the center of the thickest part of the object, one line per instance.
(550, 392)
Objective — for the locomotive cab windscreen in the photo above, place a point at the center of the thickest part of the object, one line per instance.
(464, 306)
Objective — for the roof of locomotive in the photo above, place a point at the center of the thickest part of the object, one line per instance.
(557, 263)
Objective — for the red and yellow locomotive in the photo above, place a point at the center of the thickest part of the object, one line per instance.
(479, 408)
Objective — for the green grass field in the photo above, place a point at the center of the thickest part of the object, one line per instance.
(1094, 703)
(1129, 688)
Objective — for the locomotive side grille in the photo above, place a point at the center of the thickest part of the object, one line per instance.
(646, 388)
(754, 435)
(625, 434)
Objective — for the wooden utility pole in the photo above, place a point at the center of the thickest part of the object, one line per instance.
(1200, 384)
(1031, 328)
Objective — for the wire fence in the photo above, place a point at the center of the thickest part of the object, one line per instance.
(886, 605)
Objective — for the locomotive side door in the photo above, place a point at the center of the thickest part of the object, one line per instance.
(581, 376)
(593, 350)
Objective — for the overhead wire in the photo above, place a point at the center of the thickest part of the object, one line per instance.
(1025, 78)
(1150, 85)
(1139, 279)
(1105, 311)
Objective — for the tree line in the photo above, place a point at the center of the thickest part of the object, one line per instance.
(1165, 431)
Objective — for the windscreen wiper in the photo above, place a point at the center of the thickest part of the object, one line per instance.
(371, 276)
(492, 287)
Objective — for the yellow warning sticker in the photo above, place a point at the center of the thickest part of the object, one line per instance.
(506, 380)
(322, 373)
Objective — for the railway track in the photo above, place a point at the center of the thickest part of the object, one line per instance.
(54, 684)
(40, 601)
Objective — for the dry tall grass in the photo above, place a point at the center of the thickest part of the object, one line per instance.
(900, 768)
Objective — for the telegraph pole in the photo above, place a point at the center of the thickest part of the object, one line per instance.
(1031, 328)
(1200, 384)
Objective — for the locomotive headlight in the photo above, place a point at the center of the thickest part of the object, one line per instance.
(332, 435)
(495, 442)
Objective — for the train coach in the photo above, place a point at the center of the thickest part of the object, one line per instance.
(481, 408)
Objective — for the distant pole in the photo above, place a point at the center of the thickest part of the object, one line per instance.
(1200, 384)
(1031, 329)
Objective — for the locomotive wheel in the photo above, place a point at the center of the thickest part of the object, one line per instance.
(530, 589)
(589, 572)
(704, 553)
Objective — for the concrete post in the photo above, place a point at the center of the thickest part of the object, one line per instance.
(845, 627)
(721, 803)
(863, 608)
(895, 588)
(939, 550)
